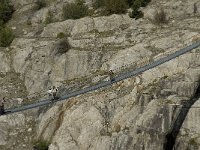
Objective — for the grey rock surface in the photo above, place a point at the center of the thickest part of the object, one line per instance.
(5, 63)
(135, 113)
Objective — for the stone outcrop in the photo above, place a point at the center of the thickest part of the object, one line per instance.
(133, 116)
(135, 113)
(5, 62)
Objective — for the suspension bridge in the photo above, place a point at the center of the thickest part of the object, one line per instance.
(119, 77)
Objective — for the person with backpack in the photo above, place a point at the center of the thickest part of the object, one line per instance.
(2, 110)
(50, 93)
(54, 92)
(111, 74)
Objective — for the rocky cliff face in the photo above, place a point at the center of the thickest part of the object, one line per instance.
(136, 113)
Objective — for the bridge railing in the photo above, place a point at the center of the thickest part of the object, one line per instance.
(146, 60)
(134, 65)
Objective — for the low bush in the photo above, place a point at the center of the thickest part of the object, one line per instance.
(41, 144)
(116, 128)
(129, 2)
(136, 5)
(98, 3)
(78, 9)
(111, 6)
(120, 6)
(115, 6)
(6, 11)
(6, 36)
(28, 22)
(40, 4)
(160, 17)
(195, 9)
(136, 14)
(75, 10)
(49, 18)
(61, 35)
(61, 46)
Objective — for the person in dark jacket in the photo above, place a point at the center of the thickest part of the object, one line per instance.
(50, 93)
(2, 110)
(111, 74)
(54, 92)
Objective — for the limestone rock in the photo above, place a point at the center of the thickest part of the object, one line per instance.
(127, 57)
(132, 114)
(149, 13)
(39, 16)
(5, 63)
(53, 29)
(21, 3)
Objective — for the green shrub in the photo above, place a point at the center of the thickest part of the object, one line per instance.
(115, 6)
(136, 5)
(193, 142)
(146, 2)
(195, 9)
(129, 2)
(6, 11)
(75, 10)
(40, 4)
(116, 128)
(6, 36)
(136, 14)
(49, 18)
(160, 17)
(120, 6)
(61, 35)
(41, 144)
(98, 3)
(61, 46)
(28, 22)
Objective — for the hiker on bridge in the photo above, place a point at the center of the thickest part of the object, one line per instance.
(54, 92)
(50, 93)
(111, 74)
(2, 110)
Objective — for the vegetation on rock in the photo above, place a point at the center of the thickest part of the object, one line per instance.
(40, 4)
(136, 5)
(120, 6)
(98, 3)
(75, 10)
(115, 6)
(160, 17)
(61, 35)
(49, 18)
(62, 46)
(41, 144)
(78, 9)
(6, 11)
(6, 35)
